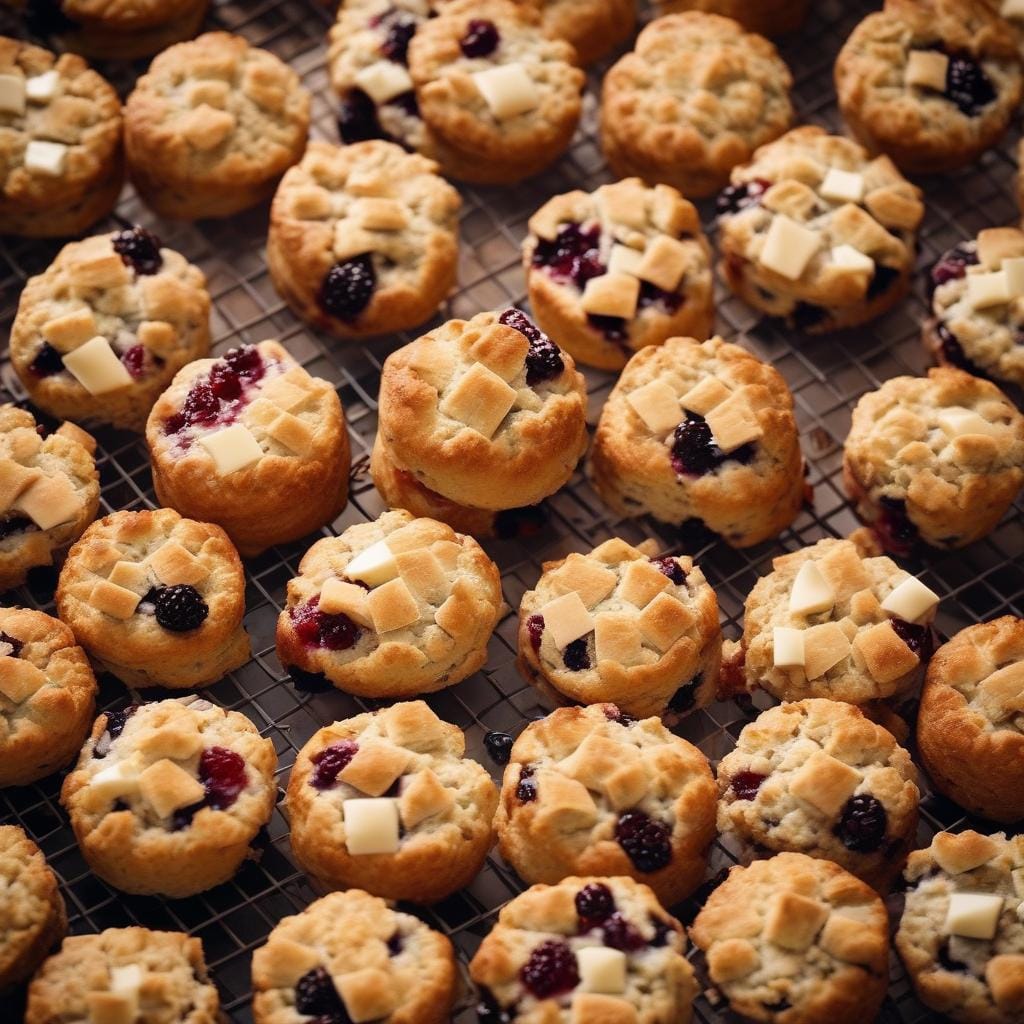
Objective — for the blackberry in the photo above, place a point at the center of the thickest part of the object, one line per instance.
(481, 38)
(47, 361)
(745, 785)
(953, 352)
(348, 287)
(139, 249)
(662, 930)
(357, 118)
(620, 934)
(316, 995)
(671, 568)
(551, 970)
(645, 840)
(318, 629)
(967, 85)
(180, 608)
(116, 720)
(575, 655)
(594, 904)
(499, 746)
(862, 824)
(896, 528)
(330, 761)
(695, 453)
(544, 359)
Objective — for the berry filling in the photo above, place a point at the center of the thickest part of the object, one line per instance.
(551, 970)
(953, 353)
(535, 627)
(139, 249)
(894, 526)
(498, 746)
(613, 714)
(481, 38)
(15, 524)
(967, 85)
(646, 841)
(695, 453)
(671, 568)
(734, 198)
(316, 996)
(572, 256)
(594, 904)
(686, 696)
(862, 824)
(223, 773)
(47, 362)
(16, 645)
(357, 118)
(620, 934)
(318, 629)
(952, 264)
(135, 361)
(526, 790)
(917, 638)
(400, 28)
(544, 359)
(330, 761)
(179, 609)
(575, 655)
(745, 785)
(348, 287)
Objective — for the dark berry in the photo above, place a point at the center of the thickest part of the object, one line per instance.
(647, 842)
(670, 568)
(357, 118)
(223, 773)
(16, 644)
(662, 930)
(734, 198)
(535, 627)
(967, 85)
(651, 295)
(686, 696)
(594, 904)
(182, 817)
(620, 934)
(401, 27)
(481, 38)
(745, 785)
(330, 761)
(575, 655)
(884, 278)
(180, 608)
(572, 256)
(551, 970)
(316, 995)
(527, 521)
(116, 720)
(862, 824)
(47, 362)
(895, 528)
(952, 265)
(139, 249)
(406, 102)
(134, 360)
(246, 362)
(318, 629)
(15, 524)
(526, 790)
(917, 638)
(395, 944)
(952, 352)
(614, 328)
(499, 746)
(695, 453)
(544, 359)
(348, 287)
(613, 714)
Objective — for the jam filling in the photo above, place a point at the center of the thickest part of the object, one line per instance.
(695, 453)
(544, 358)
(952, 265)
(319, 629)
(745, 784)
(330, 761)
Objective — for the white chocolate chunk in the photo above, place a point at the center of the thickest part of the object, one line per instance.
(973, 915)
(374, 565)
(842, 186)
(657, 405)
(624, 260)
(384, 81)
(507, 90)
(611, 295)
(788, 647)
(125, 982)
(167, 787)
(1013, 268)
(789, 247)
(927, 68)
(96, 367)
(567, 619)
(42, 88)
(957, 421)
(601, 969)
(49, 501)
(703, 397)
(847, 256)
(46, 157)
(811, 592)
(120, 779)
(232, 448)
(339, 597)
(984, 290)
(911, 601)
(12, 94)
(371, 825)
(664, 263)
(732, 423)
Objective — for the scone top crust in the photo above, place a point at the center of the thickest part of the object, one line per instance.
(799, 929)
(354, 949)
(216, 110)
(488, 412)
(113, 972)
(536, 956)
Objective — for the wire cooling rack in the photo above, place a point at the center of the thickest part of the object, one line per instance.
(826, 375)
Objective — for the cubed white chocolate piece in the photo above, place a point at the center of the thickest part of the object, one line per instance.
(424, 574)
(793, 920)
(110, 1008)
(480, 400)
(232, 448)
(624, 260)
(46, 157)
(824, 647)
(508, 90)
(167, 787)
(14, 480)
(566, 619)
(957, 421)
(732, 959)
(705, 396)
(788, 647)
(824, 782)
(842, 186)
(617, 638)
(368, 994)
(131, 575)
(49, 501)
(19, 679)
(911, 601)
(664, 263)
(611, 295)
(126, 980)
(423, 796)
(96, 367)
(852, 259)
(375, 767)
(1012, 9)
(664, 621)
(384, 80)
(373, 565)
(733, 423)
(371, 825)
(974, 915)
(117, 602)
(657, 404)
(567, 805)
(392, 606)
(42, 88)
(811, 593)
(984, 290)
(601, 969)
(788, 247)
(1013, 268)
(69, 331)
(116, 780)
(642, 582)
(927, 69)
(12, 94)
(376, 214)
(340, 598)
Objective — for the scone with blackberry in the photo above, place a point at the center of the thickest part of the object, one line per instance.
(769, 17)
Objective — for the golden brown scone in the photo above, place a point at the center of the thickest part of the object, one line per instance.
(593, 27)
(769, 17)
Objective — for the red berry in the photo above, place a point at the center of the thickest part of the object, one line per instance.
(330, 761)
(223, 773)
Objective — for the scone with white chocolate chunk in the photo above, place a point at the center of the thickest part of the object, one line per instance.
(167, 796)
(793, 938)
(391, 608)
(961, 935)
(617, 269)
(252, 443)
(387, 802)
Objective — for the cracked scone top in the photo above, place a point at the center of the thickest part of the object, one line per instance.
(121, 974)
(47, 696)
(816, 231)
(156, 599)
(970, 726)
(961, 935)
(617, 625)
(617, 269)
(937, 459)
(795, 938)
(253, 443)
(932, 83)
(589, 949)
(391, 608)
(593, 791)
(817, 777)
(212, 125)
(101, 332)
(363, 238)
(695, 97)
(351, 956)
(387, 802)
(167, 796)
(769, 17)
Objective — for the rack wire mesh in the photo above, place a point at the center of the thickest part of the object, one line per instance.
(826, 376)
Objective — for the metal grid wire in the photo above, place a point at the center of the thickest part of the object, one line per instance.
(826, 376)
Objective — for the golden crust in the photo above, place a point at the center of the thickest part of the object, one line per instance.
(593, 27)
(769, 17)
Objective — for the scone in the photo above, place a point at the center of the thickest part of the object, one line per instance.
(212, 126)
(593, 791)
(351, 957)
(970, 726)
(769, 17)
(701, 431)
(49, 492)
(793, 938)
(390, 609)
(500, 99)
(978, 306)
(587, 951)
(60, 143)
(817, 777)
(936, 459)
(618, 269)
(594, 27)
(477, 418)
(816, 232)
(363, 238)
(696, 97)
(47, 696)
(156, 599)
(125, 974)
(32, 915)
(621, 626)
(253, 443)
(101, 332)
(167, 796)
(961, 937)
(387, 802)
(931, 83)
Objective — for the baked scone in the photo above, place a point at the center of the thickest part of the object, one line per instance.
(500, 99)
(32, 915)
(475, 418)
(961, 937)
(167, 796)
(816, 232)
(156, 599)
(769, 17)
(593, 791)
(594, 27)
(931, 83)
(621, 626)
(695, 97)
(49, 492)
(794, 938)
(838, 620)
(212, 126)
(125, 974)
(60, 143)
(587, 951)
(817, 777)
(936, 459)
(618, 269)
(387, 802)
(101, 332)
(253, 443)
(351, 956)
(970, 726)
(47, 696)
(978, 306)
(701, 431)
(363, 238)
(391, 608)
